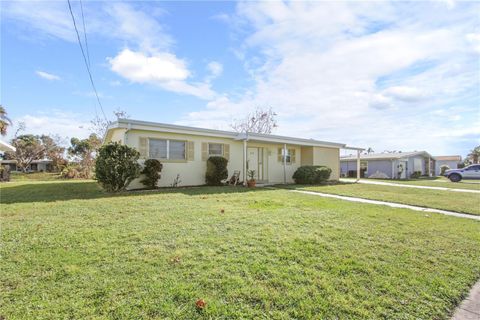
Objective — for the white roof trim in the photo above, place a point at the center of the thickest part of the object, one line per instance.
(163, 127)
(6, 147)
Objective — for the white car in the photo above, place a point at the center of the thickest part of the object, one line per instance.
(470, 172)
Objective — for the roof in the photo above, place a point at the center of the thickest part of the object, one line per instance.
(386, 156)
(6, 146)
(130, 124)
(448, 158)
(34, 161)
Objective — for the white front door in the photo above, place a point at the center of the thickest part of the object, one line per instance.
(403, 169)
(255, 161)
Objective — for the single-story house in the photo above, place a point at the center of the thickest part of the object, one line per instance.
(451, 161)
(397, 165)
(184, 151)
(42, 165)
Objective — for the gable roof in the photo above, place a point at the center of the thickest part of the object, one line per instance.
(130, 124)
(386, 156)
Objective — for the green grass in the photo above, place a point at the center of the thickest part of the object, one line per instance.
(34, 176)
(70, 250)
(436, 182)
(438, 199)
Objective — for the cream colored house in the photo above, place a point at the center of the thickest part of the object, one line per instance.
(184, 151)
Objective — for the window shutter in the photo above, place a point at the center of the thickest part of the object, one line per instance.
(204, 151)
(292, 155)
(190, 151)
(143, 147)
(280, 158)
(226, 151)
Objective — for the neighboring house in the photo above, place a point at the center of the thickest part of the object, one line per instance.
(451, 161)
(36, 165)
(398, 165)
(185, 150)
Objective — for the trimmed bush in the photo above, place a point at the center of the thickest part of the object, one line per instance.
(216, 171)
(444, 168)
(116, 166)
(151, 170)
(416, 175)
(312, 174)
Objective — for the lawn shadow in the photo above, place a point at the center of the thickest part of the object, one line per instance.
(81, 189)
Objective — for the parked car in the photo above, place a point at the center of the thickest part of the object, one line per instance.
(470, 172)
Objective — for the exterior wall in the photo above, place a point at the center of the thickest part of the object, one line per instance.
(329, 157)
(384, 166)
(411, 166)
(191, 172)
(307, 156)
(118, 135)
(449, 163)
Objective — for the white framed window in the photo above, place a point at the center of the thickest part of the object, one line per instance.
(215, 149)
(166, 149)
(157, 149)
(286, 156)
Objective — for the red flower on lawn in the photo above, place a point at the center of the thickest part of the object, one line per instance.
(200, 304)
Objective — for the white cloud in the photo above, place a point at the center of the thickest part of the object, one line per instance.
(215, 69)
(47, 76)
(360, 73)
(162, 69)
(66, 125)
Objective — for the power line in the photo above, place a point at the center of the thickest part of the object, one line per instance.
(85, 33)
(85, 60)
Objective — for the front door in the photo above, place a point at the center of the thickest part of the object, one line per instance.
(255, 161)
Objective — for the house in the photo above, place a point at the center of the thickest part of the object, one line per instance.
(6, 147)
(397, 165)
(184, 151)
(42, 165)
(451, 161)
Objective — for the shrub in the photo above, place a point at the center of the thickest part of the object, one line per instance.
(416, 174)
(443, 169)
(216, 171)
(116, 166)
(152, 170)
(311, 174)
(70, 172)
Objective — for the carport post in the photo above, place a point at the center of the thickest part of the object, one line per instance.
(245, 162)
(358, 165)
(285, 163)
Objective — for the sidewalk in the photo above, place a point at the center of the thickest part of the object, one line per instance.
(391, 204)
(365, 181)
(469, 309)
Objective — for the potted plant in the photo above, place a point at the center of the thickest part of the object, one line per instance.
(251, 183)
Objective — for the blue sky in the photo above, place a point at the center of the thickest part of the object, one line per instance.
(387, 75)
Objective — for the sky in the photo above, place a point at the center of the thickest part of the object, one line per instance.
(386, 75)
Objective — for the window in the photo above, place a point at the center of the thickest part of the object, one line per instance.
(157, 149)
(473, 168)
(215, 149)
(288, 158)
(176, 150)
(166, 149)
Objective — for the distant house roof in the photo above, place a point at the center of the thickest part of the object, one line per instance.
(386, 156)
(448, 158)
(6, 146)
(130, 124)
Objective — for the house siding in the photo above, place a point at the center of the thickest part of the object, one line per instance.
(451, 164)
(383, 166)
(193, 172)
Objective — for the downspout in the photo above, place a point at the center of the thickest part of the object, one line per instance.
(284, 163)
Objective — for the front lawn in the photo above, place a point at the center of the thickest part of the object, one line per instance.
(438, 199)
(71, 251)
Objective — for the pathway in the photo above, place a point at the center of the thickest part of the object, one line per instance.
(469, 309)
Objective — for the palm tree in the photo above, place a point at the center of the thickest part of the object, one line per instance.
(4, 121)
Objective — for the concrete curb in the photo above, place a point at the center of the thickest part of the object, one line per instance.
(469, 309)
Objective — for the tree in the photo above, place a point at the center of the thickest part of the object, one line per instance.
(100, 125)
(54, 151)
(85, 150)
(259, 121)
(28, 148)
(4, 121)
(474, 155)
